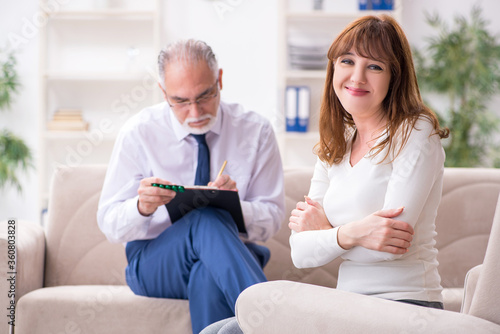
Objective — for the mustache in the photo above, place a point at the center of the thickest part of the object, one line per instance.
(197, 119)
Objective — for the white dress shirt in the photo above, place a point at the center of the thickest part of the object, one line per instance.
(350, 193)
(153, 143)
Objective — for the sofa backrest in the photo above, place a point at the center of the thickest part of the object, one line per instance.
(78, 252)
(280, 266)
(487, 292)
(464, 220)
(463, 225)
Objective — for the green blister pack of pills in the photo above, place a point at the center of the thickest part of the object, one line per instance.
(173, 187)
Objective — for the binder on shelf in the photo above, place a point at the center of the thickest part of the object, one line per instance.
(291, 108)
(387, 4)
(376, 4)
(304, 95)
(363, 4)
(297, 108)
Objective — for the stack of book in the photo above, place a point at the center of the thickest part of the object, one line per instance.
(67, 120)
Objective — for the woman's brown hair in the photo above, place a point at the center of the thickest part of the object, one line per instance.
(380, 38)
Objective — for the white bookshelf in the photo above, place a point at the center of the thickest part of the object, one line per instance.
(298, 17)
(97, 56)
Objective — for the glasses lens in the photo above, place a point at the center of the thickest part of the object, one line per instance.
(205, 99)
(183, 106)
(202, 101)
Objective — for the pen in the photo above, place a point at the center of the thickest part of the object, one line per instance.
(222, 169)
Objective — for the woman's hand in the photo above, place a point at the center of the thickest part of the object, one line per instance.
(307, 216)
(150, 198)
(379, 232)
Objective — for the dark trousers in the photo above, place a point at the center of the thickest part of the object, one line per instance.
(423, 303)
(199, 258)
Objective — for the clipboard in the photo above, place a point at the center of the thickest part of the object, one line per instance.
(196, 197)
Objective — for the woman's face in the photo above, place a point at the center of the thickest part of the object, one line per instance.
(361, 84)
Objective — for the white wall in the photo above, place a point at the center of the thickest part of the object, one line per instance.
(244, 37)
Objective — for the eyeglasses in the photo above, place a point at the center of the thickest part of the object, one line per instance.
(202, 101)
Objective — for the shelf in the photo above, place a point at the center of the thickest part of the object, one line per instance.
(98, 57)
(334, 15)
(309, 135)
(320, 15)
(75, 135)
(306, 74)
(96, 76)
(122, 14)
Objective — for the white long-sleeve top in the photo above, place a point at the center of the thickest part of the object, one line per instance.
(153, 143)
(413, 180)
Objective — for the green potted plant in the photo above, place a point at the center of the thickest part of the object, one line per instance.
(15, 156)
(462, 63)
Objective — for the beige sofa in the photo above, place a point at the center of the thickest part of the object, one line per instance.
(71, 280)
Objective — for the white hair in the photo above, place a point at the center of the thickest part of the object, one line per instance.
(188, 51)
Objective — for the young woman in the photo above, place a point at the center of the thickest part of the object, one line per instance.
(378, 180)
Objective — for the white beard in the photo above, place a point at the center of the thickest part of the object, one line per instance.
(202, 130)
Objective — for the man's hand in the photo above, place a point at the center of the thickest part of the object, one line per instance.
(307, 216)
(379, 232)
(150, 198)
(224, 182)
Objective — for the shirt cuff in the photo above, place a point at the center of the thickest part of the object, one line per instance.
(310, 249)
(134, 216)
(247, 211)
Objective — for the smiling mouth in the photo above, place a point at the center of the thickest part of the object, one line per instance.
(356, 91)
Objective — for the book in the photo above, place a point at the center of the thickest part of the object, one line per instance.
(67, 120)
(195, 197)
(72, 118)
(67, 126)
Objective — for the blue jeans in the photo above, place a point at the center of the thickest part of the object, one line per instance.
(199, 258)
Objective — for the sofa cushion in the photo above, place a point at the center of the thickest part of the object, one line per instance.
(77, 252)
(290, 307)
(464, 221)
(99, 309)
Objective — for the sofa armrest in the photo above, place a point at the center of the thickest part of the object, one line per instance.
(470, 287)
(29, 243)
(291, 307)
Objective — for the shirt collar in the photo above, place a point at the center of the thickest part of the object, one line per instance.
(181, 133)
